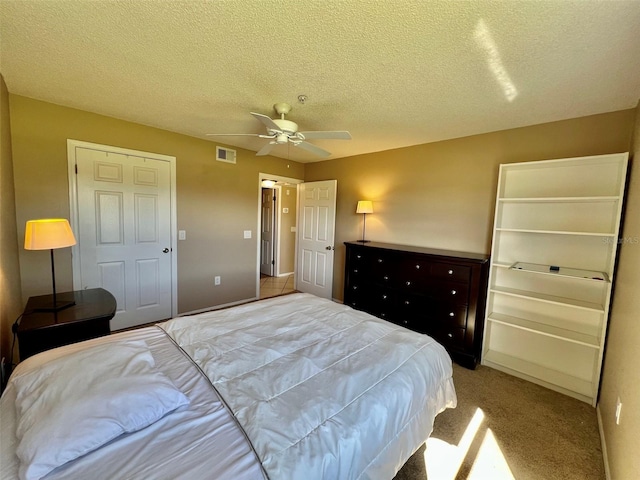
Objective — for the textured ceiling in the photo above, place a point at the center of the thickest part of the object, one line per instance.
(393, 73)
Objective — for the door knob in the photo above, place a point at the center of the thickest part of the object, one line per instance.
(328, 248)
(166, 250)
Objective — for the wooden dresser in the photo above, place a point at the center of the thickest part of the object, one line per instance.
(438, 292)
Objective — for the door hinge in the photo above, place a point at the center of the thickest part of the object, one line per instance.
(273, 262)
(76, 167)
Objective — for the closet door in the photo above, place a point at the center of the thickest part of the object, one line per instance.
(124, 233)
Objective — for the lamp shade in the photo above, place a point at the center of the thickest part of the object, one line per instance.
(48, 233)
(364, 206)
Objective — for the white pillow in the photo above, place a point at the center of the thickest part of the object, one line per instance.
(78, 402)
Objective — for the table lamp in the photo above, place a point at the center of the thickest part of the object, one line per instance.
(49, 234)
(364, 207)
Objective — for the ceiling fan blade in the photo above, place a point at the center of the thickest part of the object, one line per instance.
(337, 135)
(270, 124)
(232, 134)
(312, 148)
(266, 150)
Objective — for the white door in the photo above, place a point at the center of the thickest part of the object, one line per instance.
(124, 232)
(267, 260)
(316, 232)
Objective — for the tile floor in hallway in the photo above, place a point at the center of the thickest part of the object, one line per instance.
(273, 286)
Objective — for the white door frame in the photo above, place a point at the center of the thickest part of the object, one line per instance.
(73, 207)
(278, 178)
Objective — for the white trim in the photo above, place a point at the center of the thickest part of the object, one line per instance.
(284, 274)
(73, 207)
(603, 443)
(218, 307)
(279, 178)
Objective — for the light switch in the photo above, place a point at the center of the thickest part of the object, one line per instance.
(247, 234)
(182, 234)
(294, 229)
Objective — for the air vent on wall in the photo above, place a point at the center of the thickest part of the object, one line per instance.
(225, 155)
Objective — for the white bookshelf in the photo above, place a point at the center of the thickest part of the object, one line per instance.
(545, 324)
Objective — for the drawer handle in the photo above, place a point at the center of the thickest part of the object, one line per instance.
(355, 270)
(408, 283)
(450, 272)
(358, 256)
(386, 277)
(406, 322)
(418, 267)
(379, 260)
(450, 335)
(406, 302)
(384, 297)
(453, 292)
(451, 314)
(383, 315)
(355, 287)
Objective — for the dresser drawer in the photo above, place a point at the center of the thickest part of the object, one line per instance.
(450, 337)
(450, 292)
(382, 302)
(382, 269)
(413, 273)
(456, 273)
(451, 315)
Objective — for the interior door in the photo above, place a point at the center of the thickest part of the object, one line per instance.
(316, 234)
(267, 260)
(124, 235)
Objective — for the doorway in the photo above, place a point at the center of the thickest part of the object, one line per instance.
(277, 224)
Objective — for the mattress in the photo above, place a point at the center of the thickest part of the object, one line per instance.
(290, 387)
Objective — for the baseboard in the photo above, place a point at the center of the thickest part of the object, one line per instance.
(285, 274)
(603, 443)
(218, 307)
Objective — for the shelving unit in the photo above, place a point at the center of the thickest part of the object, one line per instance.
(548, 325)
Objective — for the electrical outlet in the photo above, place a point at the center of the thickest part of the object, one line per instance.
(247, 234)
(618, 411)
(216, 280)
(182, 234)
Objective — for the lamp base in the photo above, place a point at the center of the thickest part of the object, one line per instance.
(363, 241)
(54, 308)
(49, 303)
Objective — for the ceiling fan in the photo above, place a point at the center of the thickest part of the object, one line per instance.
(281, 131)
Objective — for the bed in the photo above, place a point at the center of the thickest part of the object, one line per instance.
(290, 387)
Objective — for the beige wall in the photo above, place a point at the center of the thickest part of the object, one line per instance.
(216, 201)
(288, 199)
(621, 377)
(442, 194)
(10, 301)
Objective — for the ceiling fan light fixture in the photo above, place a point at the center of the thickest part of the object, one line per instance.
(286, 125)
(281, 131)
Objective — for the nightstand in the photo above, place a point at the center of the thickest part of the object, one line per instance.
(88, 318)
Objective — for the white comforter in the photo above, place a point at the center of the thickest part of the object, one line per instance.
(322, 391)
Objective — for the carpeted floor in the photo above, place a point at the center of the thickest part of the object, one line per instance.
(505, 427)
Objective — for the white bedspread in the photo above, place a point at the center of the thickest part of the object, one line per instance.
(200, 442)
(322, 391)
